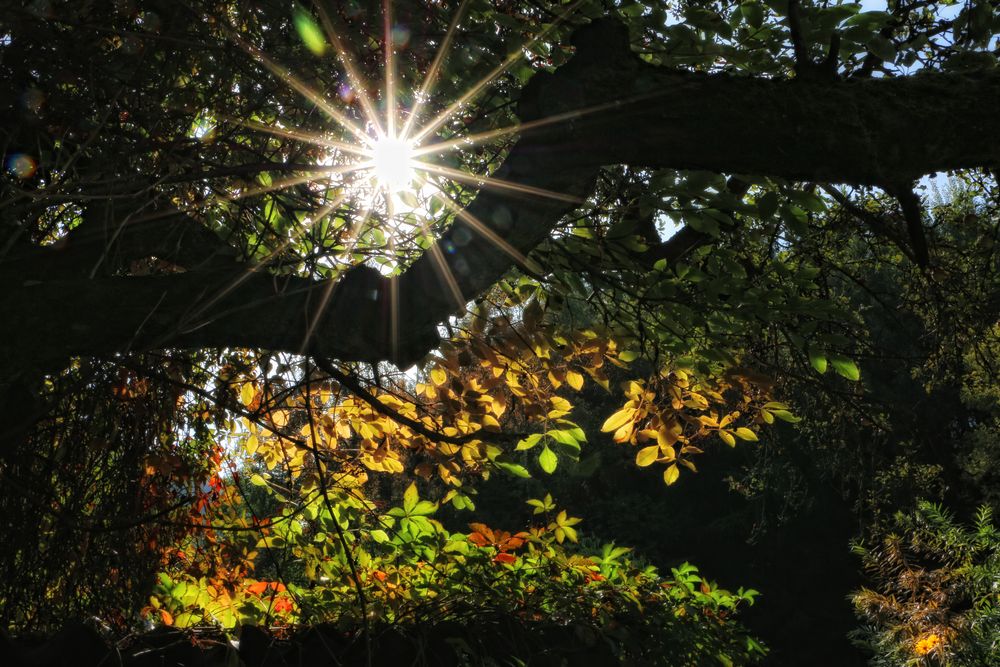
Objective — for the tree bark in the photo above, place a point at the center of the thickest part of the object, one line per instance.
(875, 131)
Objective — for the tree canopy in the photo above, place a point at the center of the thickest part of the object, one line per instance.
(298, 297)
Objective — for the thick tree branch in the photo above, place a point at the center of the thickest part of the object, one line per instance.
(862, 132)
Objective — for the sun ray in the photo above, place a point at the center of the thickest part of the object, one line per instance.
(498, 183)
(393, 290)
(470, 140)
(360, 85)
(444, 272)
(431, 77)
(281, 184)
(252, 192)
(328, 290)
(480, 227)
(390, 70)
(303, 89)
(478, 87)
(298, 135)
(280, 248)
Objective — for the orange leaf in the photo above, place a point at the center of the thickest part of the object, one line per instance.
(166, 617)
(505, 558)
(257, 588)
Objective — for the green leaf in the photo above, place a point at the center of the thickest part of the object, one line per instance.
(786, 416)
(257, 480)
(548, 460)
(529, 442)
(818, 360)
(871, 20)
(845, 367)
(424, 508)
(310, 33)
(883, 48)
(514, 469)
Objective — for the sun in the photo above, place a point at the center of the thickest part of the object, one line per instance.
(392, 164)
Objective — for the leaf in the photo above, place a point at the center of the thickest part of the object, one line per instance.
(528, 442)
(309, 32)
(257, 480)
(247, 394)
(514, 469)
(574, 380)
(438, 376)
(647, 455)
(618, 419)
(882, 47)
(727, 438)
(410, 497)
(257, 588)
(845, 367)
(786, 416)
(671, 474)
(818, 360)
(548, 460)
(744, 433)
(870, 20)
(767, 205)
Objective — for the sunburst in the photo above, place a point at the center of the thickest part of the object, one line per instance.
(382, 161)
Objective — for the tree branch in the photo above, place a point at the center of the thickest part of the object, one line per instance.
(858, 132)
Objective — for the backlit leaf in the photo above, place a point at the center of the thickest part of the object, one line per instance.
(671, 474)
(647, 455)
(618, 419)
(548, 460)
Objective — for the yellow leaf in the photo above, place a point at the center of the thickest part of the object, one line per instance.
(560, 403)
(438, 376)
(618, 419)
(671, 474)
(252, 444)
(665, 437)
(624, 433)
(647, 455)
(279, 417)
(727, 438)
(574, 380)
(247, 394)
(746, 434)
